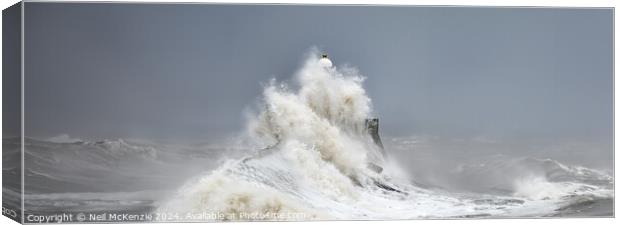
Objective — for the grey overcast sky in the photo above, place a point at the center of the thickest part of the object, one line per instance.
(164, 71)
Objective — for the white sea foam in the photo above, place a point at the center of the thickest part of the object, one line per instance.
(317, 165)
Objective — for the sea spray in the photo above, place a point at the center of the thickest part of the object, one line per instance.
(317, 143)
(314, 160)
(328, 113)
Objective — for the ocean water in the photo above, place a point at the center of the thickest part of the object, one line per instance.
(307, 155)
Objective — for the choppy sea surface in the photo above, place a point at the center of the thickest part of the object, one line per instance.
(310, 158)
(86, 178)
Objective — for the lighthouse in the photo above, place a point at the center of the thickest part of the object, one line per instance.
(324, 61)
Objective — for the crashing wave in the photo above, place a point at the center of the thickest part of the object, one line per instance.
(317, 164)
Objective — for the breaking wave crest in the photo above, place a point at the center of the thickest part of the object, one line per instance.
(319, 162)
